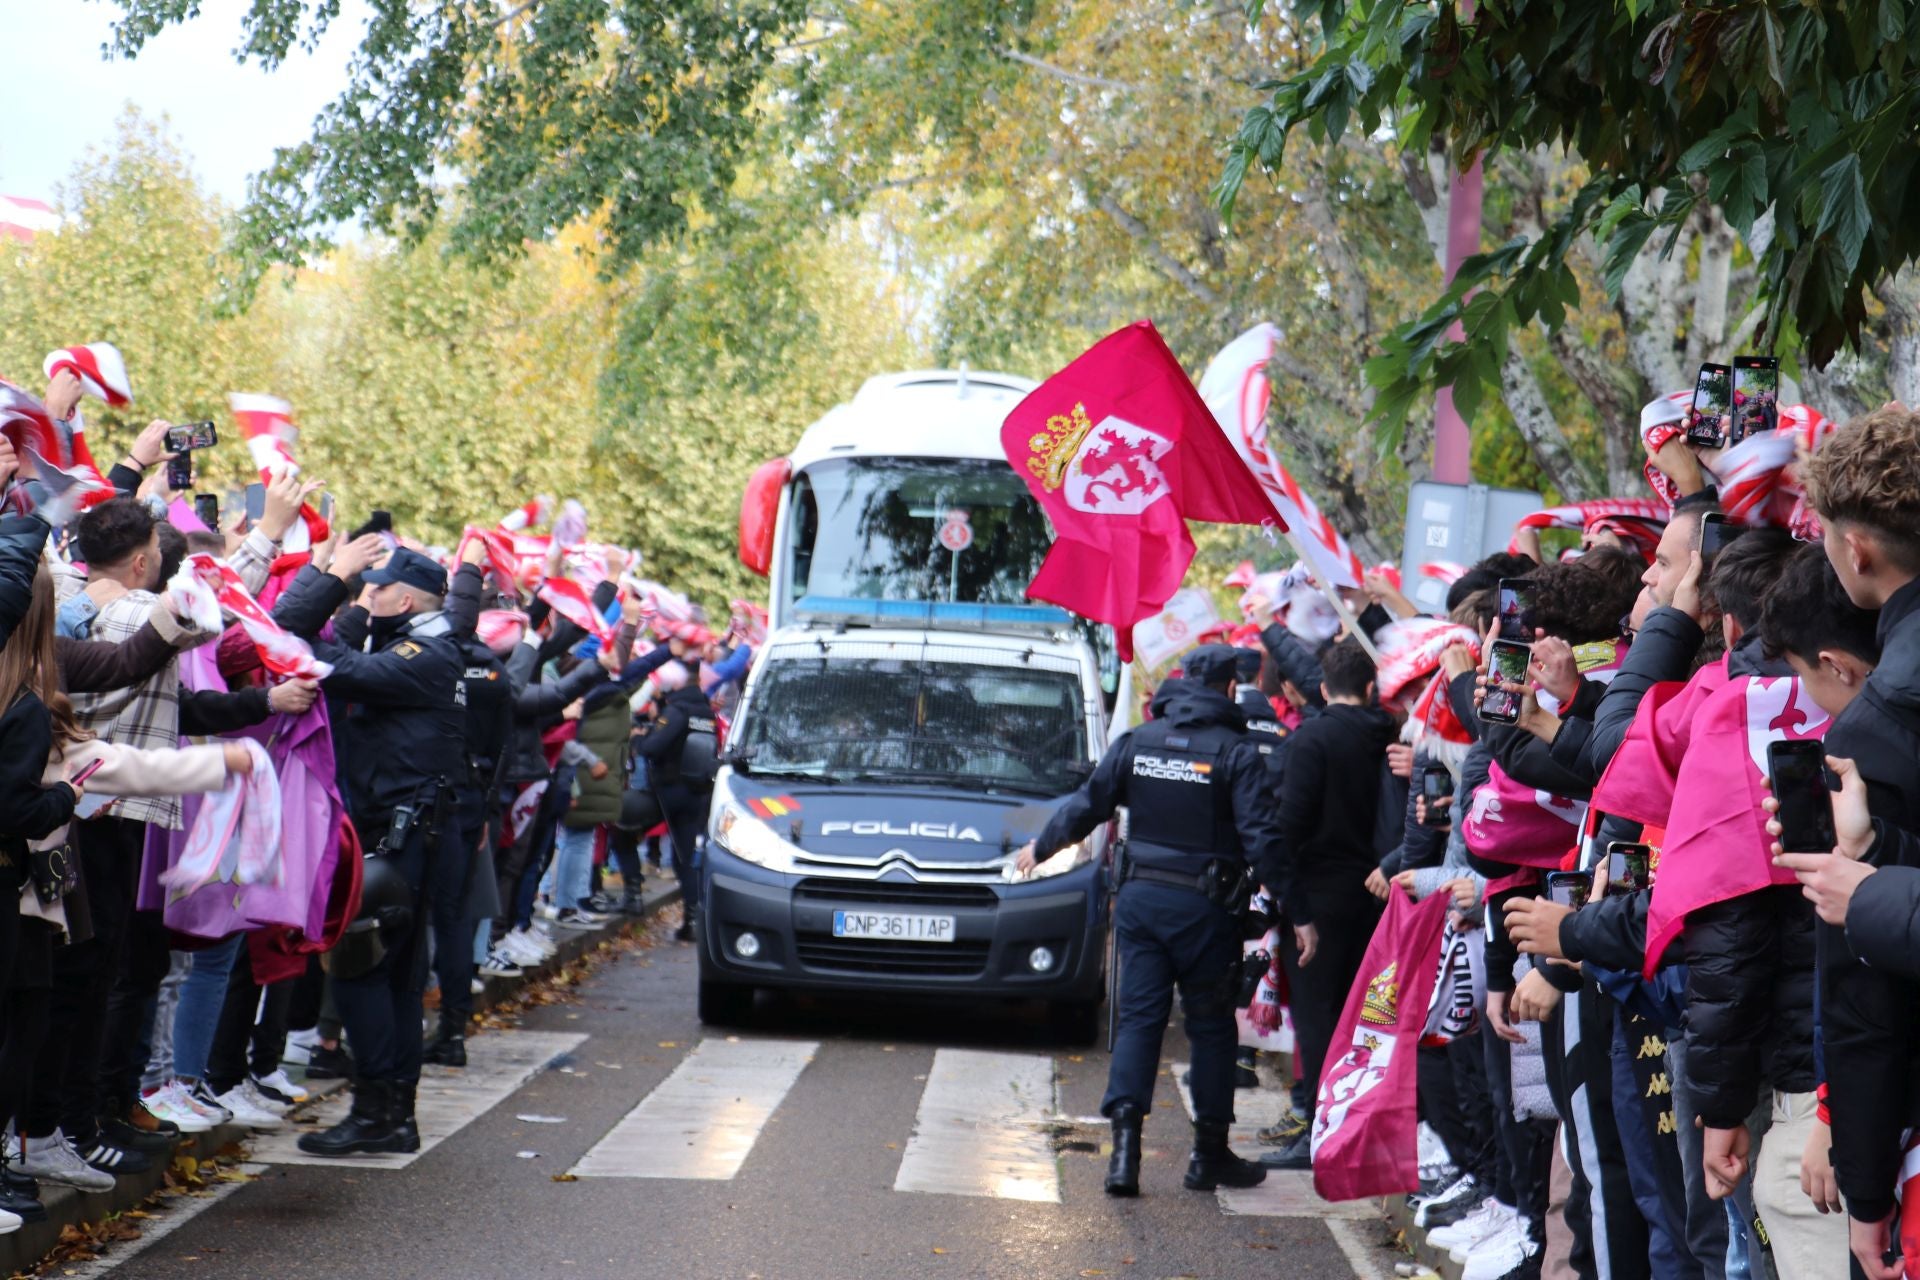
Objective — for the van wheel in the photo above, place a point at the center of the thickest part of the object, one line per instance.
(724, 1004)
(1077, 1021)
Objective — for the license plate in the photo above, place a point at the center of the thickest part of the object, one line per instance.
(892, 926)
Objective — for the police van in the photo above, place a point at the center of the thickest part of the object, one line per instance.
(911, 721)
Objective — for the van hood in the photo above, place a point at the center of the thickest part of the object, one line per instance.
(931, 823)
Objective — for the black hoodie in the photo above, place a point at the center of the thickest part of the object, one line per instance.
(1328, 803)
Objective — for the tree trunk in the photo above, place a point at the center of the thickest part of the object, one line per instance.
(1541, 430)
(1707, 339)
(1902, 297)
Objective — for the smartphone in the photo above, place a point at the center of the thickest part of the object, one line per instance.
(1509, 666)
(1756, 396)
(326, 507)
(206, 508)
(1569, 888)
(191, 435)
(1716, 531)
(1798, 771)
(1627, 865)
(180, 472)
(1516, 610)
(81, 777)
(1436, 785)
(380, 522)
(256, 502)
(1712, 401)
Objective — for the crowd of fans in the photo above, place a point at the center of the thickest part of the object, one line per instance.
(184, 755)
(1722, 1048)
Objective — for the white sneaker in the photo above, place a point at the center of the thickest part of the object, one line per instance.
(574, 918)
(500, 964)
(9, 1222)
(278, 1083)
(201, 1099)
(1487, 1220)
(521, 950)
(245, 1110)
(1501, 1254)
(162, 1104)
(54, 1160)
(540, 941)
(1456, 1197)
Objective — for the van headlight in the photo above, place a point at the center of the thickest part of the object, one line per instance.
(749, 839)
(1077, 854)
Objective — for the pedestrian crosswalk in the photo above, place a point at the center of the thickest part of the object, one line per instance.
(705, 1117)
(446, 1103)
(985, 1125)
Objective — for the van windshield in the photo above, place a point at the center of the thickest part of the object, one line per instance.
(941, 529)
(957, 724)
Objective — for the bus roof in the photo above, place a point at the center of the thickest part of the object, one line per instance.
(934, 413)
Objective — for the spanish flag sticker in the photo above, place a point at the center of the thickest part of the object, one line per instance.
(774, 806)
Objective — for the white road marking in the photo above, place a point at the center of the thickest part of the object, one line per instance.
(704, 1118)
(179, 1211)
(1287, 1193)
(982, 1128)
(497, 1064)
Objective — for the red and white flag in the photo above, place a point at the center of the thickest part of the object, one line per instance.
(503, 562)
(266, 424)
(527, 515)
(1120, 451)
(1236, 389)
(573, 602)
(100, 368)
(51, 453)
(22, 218)
(1366, 1121)
(206, 586)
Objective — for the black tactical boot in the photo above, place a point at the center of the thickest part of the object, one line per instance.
(368, 1127)
(633, 903)
(403, 1122)
(1214, 1164)
(1245, 1076)
(1123, 1169)
(446, 1049)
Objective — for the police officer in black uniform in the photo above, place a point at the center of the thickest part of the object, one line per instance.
(681, 752)
(1200, 820)
(475, 804)
(399, 670)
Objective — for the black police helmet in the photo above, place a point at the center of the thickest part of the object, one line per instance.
(385, 895)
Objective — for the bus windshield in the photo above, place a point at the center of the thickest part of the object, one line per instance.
(938, 529)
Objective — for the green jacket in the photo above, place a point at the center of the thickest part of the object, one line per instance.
(604, 732)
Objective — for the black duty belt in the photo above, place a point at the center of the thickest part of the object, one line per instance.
(1178, 879)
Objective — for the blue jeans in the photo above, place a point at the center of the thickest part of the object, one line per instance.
(572, 866)
(1171, 936)
(202, 996)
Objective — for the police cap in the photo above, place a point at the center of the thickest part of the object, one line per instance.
(1213, 664)
(1246, 665)
(412, 568)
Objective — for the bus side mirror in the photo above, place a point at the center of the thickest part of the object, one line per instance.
(759, 507)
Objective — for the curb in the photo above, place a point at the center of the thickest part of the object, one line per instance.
(28, 1247)
(1400, 1217)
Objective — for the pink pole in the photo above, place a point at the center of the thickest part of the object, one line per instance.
(1452, 443)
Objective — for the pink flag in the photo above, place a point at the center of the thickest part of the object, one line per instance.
(1639, 780)
(1520, 825)
(1120, 451)
(1366, 1119)
(1236, 389)
(1717, 843)
(571, 601)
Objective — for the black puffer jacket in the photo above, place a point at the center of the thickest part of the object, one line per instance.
(1749, 981)
(1870, 1018)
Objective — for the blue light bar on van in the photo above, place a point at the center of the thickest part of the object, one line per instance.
(929, 613)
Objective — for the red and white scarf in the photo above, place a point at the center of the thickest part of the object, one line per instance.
(206, 586)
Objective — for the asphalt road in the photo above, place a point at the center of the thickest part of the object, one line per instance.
(814, 1194)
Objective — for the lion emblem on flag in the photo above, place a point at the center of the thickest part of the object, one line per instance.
(1116, 471)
